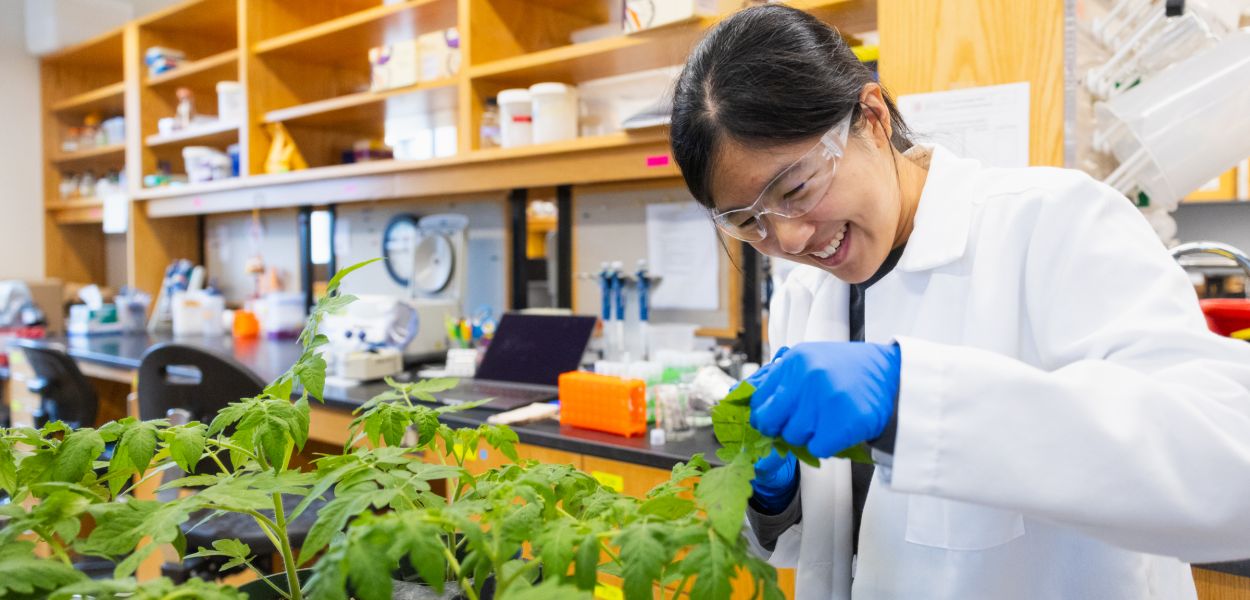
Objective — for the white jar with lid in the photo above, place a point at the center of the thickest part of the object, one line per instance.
(554, 112)
(230, 101)
(515, 118)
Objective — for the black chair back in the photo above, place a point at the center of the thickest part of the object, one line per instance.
(178, 376)
(64, 392)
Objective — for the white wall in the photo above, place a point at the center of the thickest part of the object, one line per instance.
(21, 183)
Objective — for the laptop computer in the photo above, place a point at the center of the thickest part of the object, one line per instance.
(524, 361)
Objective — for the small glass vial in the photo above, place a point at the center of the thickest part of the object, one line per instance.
(490, 135)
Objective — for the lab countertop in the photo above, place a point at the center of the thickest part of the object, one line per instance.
(270, 358)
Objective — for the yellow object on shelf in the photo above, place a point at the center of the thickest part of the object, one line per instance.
(284, 155)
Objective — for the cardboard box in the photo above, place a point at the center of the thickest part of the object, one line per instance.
(439, 53)
(49, 296)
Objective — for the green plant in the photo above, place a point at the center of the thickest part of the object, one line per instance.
(732, 426)
(512, 523)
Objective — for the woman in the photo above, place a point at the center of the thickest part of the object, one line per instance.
(1049, 416)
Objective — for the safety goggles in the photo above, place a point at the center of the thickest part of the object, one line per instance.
(792, 193)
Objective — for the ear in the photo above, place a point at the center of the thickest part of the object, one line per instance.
(877, 113)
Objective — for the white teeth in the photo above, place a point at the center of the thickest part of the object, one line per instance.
(833, 246)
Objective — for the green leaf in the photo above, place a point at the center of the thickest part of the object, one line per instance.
(133, 453)
(368, 567)
(554, 545)
(425, 552)
(331, 519)
(587, 562)
(311, 372)
(76, 454)
(859, 454)
(61, 513)
(186, 444)
(228, 416)
(723, 493)
(238, 552)
(281, 387)
(667, 507)
(548, 590)
(23, 576)
(8, 467)
(799, 452)
(645, 553)
(740, 395)
(713, 568)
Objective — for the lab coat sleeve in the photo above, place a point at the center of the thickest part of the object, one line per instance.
(1136, 429)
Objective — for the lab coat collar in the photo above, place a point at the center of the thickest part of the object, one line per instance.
(939, 234)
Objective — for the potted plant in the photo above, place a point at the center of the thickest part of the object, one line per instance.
(532, 530)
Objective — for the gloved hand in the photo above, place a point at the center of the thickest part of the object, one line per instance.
(775, 482)
(827, 396)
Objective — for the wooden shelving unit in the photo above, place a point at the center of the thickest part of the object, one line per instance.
(304, 65)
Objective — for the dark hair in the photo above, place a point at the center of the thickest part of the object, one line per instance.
(766, 75)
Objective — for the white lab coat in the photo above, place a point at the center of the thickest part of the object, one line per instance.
(1067, 426)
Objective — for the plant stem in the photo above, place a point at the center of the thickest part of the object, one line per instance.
(288, 557)
(464, 583)
(265, 578)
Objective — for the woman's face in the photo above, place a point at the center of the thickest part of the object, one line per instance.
(860, 215)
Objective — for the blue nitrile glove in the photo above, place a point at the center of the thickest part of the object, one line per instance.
(775, 483)
(827, 396)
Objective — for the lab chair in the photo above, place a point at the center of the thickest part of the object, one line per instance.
(64, 392)
(183, 383)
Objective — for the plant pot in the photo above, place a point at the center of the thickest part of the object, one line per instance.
(404, 590)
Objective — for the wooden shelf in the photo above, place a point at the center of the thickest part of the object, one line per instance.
(195, 17)
(217, 134)
(111, 155)
(53, 205)
(371, 107)
(617, 55)
(601, 58)
(615, 157)
(205, 72)
(347, 40)
(109, 99)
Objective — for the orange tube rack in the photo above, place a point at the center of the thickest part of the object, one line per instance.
(603, 403)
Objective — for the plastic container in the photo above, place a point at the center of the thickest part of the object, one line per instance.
(197, 313)
(554, 112)
(1182, 127)
(230, 102)
(516, 122)
(282, 314)
(603, 403)
(677, 337)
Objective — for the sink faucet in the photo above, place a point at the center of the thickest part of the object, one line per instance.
(1216, 248)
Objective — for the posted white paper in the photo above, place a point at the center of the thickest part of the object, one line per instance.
(990, 124)
(682, 250)
(116, 215)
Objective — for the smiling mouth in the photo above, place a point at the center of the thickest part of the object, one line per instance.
(833, 246)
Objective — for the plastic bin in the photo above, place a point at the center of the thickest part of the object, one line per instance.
(603, 403)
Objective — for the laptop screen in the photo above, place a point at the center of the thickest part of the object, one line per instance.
(536, 348)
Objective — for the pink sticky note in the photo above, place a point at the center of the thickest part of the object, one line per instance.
(659, 160)
(197, 201)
